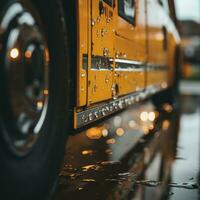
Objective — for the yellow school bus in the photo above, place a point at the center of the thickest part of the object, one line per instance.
(66, 65)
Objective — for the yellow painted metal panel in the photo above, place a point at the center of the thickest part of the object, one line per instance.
(82, 36)
(103, 35)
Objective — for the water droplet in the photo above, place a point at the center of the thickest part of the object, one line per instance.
(88, 180)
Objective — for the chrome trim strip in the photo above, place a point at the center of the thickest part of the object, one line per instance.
(131, 62)
(87, 116)
(101, 62)
(130, 69)
(156, 67)
(129, 65)
(102, 69)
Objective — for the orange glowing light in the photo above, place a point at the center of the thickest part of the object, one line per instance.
(151, 116)
(145, 130)
(151, 127)
(120, 131)
(87, 152)
(132, 124)
(104, 132)
(39, 105)
(144, 116)
(164, 85)
(47, 55)
(165, 124)
(14, 53)
(28, 54)
(117, 121)
(167, 107)
(94, 133)
(111, 141)
(46, 92)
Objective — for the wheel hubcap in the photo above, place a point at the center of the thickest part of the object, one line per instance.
(25, 77)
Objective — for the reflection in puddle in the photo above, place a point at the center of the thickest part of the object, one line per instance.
(152, 183)
(111, 141)
(88, 180)
(131, 156)
(90, 167)
(88, 152)
(110, 163)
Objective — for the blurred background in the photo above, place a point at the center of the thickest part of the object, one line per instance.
(188, 14)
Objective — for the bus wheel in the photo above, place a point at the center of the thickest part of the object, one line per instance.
(33, 102)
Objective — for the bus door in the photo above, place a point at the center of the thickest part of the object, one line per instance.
(130, 45)
(100, 69)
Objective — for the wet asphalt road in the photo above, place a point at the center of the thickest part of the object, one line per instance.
(140, 154)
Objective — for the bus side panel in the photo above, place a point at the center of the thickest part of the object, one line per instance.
(100, 70)
(130, 44)
(82, 37)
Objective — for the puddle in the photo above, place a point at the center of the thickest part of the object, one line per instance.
(190, 186)
(105, 169)
(152, 183)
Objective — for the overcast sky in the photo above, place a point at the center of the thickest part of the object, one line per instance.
(188, 9)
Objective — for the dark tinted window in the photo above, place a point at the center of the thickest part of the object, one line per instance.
(109, 2)
(126, 10)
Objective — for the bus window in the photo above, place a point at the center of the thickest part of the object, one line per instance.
(109, 2)
(126, 10)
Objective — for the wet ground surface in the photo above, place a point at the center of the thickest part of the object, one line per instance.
(142, 153)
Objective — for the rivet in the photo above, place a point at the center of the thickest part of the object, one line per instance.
(83, 75)
(106, 80)
(91, 116)
(93, 22)
(105, 51)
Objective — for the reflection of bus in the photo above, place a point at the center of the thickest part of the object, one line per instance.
(67, 64)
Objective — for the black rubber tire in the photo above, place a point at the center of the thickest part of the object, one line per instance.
(33, 176)
(170, 95)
